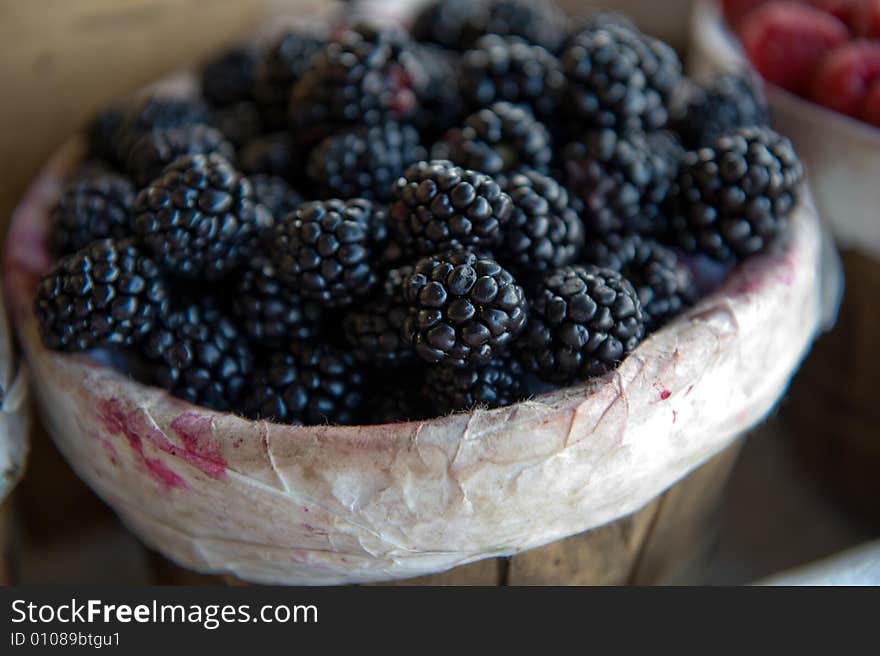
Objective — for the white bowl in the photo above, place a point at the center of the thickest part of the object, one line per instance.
(842, 155)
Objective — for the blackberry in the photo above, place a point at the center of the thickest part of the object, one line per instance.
(584, 320)
(618, 78)
(106, 293)
(155, 113)
(273, 154)
(399, 399)
(199, 218)
(441, 105)
(733, 200)
(274, 194)
(91, 207)
(356, 79)
(229, 77)
(327, 250)
(373, 328)
(271, 313)
(203, 357)
(622, 180)
(496, 384)
(544, 232)
(512, 70)
(450, 23)
(540, 23)
(702, 113)
(664, 284)
(309, 384)
(502, 138)
(102, 133)
(463, 309)
(240, 123)
(282, 65)
(364, 162)
(156, 149)
(438, 206)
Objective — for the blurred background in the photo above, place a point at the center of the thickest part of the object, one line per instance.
(805, 486)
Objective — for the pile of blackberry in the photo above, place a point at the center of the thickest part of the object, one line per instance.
(363, 225)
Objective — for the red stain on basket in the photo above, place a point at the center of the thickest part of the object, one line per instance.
(665, 394)
(200, 450)
(121, 419)
(674, 416)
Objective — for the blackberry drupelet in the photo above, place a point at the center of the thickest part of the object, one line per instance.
(364, 162)
(496, 384)
(155, 113)
(583, 321)
(107, 293)
(438, 206)
(273, 154)
(229, 77)
(358, 78)
(622, 180)
(733, 200)
(463, 309)
(540, 23)
(91, 207)
(202, 356)
(309, 384)
(512, 70)
(281, 66)
(373, 328)
(274, 194)
(328, 250)
(544, 232)
(200, 219)
(618, 78)
(441, 105)
(270, 312)
(450, 23)
(664, 284)
(701, 113)
(502, 138)
(156, 149)
(398, 399)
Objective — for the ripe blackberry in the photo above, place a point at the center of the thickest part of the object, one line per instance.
(102, 133)
(502, 138)
(199, 218)
(155, 113)
(373, 328)
(622, 180)
(544, 232)
(438, 206)
(107, 293)
(664, 284)
(618, 78)
(156, 149)
(702, 113)
(91, 207)
(463, 309)
(357, 79)
(327, 250)
(441, 105)
(584, 320)
(274, 194)
(270, 312)
(203, 357)
(309, 384)
(733, 200)
(273, 154)
(229, 77)
(281, 66)
(496, 384)
(512, 70)
(450, 23)
(396, 400)
(540, 23)
(364, 162)
(240, 122)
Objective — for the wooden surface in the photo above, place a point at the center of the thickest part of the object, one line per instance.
(60, 61)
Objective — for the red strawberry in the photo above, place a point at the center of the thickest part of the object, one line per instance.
(843, 79)
(786, 40)
(735, 10)
(866, 21)
(871, 105)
